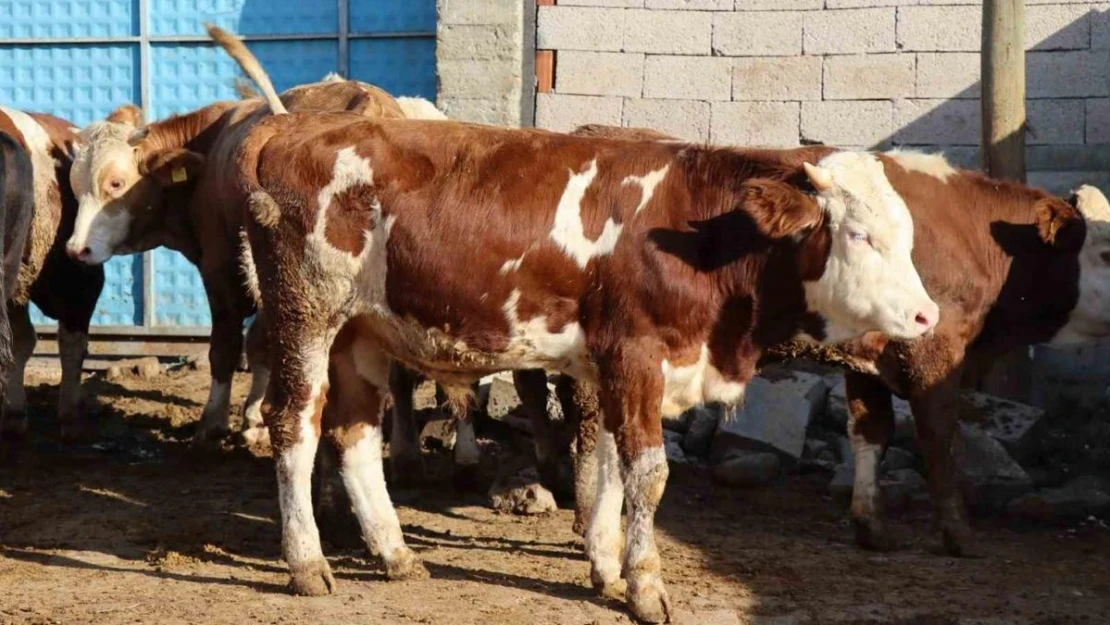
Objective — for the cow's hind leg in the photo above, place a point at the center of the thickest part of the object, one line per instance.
(405, 459)
(224, 349)
(580, 408)
(23, 346)
(459, 404)
(871, 422)
(362, 380)
(254, 430)
(550, 447)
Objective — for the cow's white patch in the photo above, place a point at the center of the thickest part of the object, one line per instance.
(865, 488)
(44, 175)
(513, 264)
(419, 108)
(361, 469)
(869, 282)
(645, 479)
(603, 537)
(532, 345)
(935, 165)
(1090, 319)
(686, 386)
(647, 184)
(568, 231)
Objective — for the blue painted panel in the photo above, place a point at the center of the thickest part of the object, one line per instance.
(400, 66)
(121, 301)
(68, 18)
(185, 77)
(179, 298)
(81, 83)
(393, 16)
(244, 17)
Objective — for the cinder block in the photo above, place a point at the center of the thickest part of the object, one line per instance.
(687, 119)
(690, 5)
(600, 73)
(937, 122)
(940, 29)
(496, 112)
(771, 33)
(631, 4)
(847, 123)
(779, 5)
(869, 77)
(948, 75)
(756, 124)
(777, 78)
(476, 79)
(668, 32)
(1100, 27)
(1055, 122)
(477, 41)
(485, 12)
(1062, 183)
(1076, 74)
(564, 113)
(687, 77)
(1098, 121)
(1058, 27)
(849, 32)
(860, 4)
(579, 28)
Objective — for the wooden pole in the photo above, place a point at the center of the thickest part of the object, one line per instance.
(1003, 149)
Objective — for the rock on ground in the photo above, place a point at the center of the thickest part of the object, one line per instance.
(777, 411)
(521, 494)
(1078, 498)
(148, 367)
(754, 468)
(672, 444)
(1010, 423)
(989, 476)
(900, 487)
(897, 458)
(703, 425)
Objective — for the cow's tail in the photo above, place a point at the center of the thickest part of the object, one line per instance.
(251, 67)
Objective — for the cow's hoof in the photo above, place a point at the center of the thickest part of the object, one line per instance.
(874, 535)
(406, 471)
(648, 601)
(255, 436)
(207, 439)
(312, 579)
(405, 565)
(960, 542)
(614, 591)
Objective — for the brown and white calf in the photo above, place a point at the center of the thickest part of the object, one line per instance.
(62, 289)
(171, 183)
(658, 270)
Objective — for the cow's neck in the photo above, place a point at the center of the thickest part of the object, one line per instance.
(196, 131)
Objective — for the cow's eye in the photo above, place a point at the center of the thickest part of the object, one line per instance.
(115, 185)
(858, 236)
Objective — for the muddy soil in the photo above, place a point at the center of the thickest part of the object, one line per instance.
(136, 528)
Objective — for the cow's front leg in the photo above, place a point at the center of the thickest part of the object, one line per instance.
(631, 396)
(405, 459)
(362, 380)
(224, 350)
(254, 430)
(870, 424)
(14, 420)
(73, 345)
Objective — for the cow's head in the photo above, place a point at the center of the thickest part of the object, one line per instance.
(855, 236)
(1087, 234)
(120, 180)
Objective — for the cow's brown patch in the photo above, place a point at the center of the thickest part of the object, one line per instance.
(349, 217)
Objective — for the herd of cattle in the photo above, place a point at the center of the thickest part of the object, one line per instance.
(378, 241)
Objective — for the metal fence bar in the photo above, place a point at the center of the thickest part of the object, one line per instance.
(29, 41)
(144, 99)
(344, 33)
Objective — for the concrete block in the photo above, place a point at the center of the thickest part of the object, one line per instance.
(1062, 183)
(1058, 27)
(849, 32)
(858, 4)
(779, 5)
(1055, 122)
(989, 477)
(494, 111)
(950, 75)
(1098, 121)
(847, 123)
(690, 5)
(668, 32)
(1100, 27)
(485, 12)
(600, 73)
(777, 78)
(579, 28)
(933, 122)
(767, 124)
(868, 77)
(498, 397)
(836, 414)
(1008, 422)
(476, 79)
(688, 77)
(777, 33)
(564, 113)
(776, 412)
(477, 41)
(940, 28)
(1077, 74)
(621, 4)
(687, 119)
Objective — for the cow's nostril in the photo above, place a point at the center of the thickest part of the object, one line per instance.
(86, 252)
(921, 319)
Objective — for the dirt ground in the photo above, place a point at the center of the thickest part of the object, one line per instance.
(135, 528)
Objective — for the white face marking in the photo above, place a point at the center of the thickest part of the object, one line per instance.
(695, 384)
(1090, 320)
(934, 165)
(361, 469)
(104, 157)
(603, 537)
(568, 232)
(869, 282)
(647, 183)
(533, 346)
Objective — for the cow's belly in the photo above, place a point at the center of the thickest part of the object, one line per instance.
(690, 385)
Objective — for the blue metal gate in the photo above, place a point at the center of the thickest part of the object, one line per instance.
(79, 59)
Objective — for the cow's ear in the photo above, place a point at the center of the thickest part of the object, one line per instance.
(779, 210)
(127, 114)
(1061, 225)
(172, 166)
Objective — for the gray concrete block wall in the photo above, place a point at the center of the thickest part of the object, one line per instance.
(480, 60)
(871, 73)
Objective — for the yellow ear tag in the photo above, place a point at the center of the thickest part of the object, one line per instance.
(179, 175)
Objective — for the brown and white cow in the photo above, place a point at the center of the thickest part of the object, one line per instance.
(62, 289)
(658, 270)
(17, 203)
(1009, 265)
